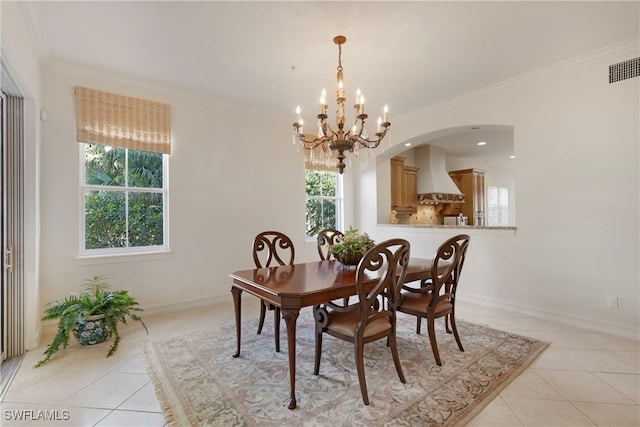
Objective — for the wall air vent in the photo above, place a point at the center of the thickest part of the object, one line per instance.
(624, 70)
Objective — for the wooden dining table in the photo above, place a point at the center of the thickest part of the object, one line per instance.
(292, 287)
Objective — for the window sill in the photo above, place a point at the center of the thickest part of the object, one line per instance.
(120, 258)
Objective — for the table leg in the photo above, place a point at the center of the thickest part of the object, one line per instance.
(290, 317)
(236, 292)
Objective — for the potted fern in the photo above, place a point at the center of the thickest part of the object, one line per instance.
(350, 250)
(92, 316)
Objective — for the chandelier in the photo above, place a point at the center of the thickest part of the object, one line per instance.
(331, 144)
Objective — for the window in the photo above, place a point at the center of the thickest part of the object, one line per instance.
(497, 205)
(124, 143)
(323, 200)
(124, 196)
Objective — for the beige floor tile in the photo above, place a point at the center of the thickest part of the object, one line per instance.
(563, 339)
(554, 374)
(26, 376)
(611, 415)
(495, 414)
(135, 365)
(19, 414)
(553, 359)
(598, 360)
(143, 400)
(32, 357)
(627, 384)
(601, 341)
(65, 383)
(579, 386)
(548, 413)
(33, 415)
(70, 416)
(529, 385)
(630, 357)
(109, 391)
(132, 419)
(93, 357)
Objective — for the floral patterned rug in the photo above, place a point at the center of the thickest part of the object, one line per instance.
(198, 383)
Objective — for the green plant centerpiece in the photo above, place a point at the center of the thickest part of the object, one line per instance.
(350, 250)
(92, 316)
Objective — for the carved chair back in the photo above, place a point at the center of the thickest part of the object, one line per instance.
(271, 248)
(326, 239)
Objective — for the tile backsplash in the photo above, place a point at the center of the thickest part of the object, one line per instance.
(426, 215)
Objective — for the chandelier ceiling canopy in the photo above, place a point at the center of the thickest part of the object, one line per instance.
(330, 145)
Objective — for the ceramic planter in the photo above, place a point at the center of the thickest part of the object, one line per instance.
(92, 330)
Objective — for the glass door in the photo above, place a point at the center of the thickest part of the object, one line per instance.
(12, 227)
(3, 234)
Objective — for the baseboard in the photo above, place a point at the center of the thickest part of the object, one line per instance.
(579, 322)
(184, 305)
(576, 321)
(49, 328)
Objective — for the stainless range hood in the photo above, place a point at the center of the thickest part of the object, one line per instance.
(434, 183)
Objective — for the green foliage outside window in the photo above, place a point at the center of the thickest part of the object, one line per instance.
(322, 201)
(119, 209)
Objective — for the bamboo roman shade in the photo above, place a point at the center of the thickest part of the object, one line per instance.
(122, 121)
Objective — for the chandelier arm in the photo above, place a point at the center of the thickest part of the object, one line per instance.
(363, 119)
(355, 123)
(302, 137)
(313, 144)
(370, 143)
(326, 126)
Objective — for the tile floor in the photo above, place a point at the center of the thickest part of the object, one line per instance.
(583, 379)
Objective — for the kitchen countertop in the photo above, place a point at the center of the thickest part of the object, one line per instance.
(458, 227)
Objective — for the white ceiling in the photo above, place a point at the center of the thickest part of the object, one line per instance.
(272, 56)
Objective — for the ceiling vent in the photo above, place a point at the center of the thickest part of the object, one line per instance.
(624, 70)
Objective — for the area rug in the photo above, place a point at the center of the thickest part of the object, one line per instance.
(199, 383)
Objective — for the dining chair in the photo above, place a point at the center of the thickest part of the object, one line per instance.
(436, 296)
(272, 248)
(373, 317)
(326, 239)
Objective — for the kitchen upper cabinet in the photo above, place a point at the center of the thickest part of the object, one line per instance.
(410, 188)
(397, 172)
(471, 184)
(404, 187)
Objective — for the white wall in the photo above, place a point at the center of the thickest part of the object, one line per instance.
(577, 143)
(227, 182)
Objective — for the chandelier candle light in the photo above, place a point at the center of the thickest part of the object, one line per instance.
(340, 140)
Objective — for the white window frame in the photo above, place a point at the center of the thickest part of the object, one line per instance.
(338, 199)
(131, 250)
(501, 207)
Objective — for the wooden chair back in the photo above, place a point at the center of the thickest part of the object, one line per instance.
(271, 248)
(381, 262)
(450, 256)
(326, 239)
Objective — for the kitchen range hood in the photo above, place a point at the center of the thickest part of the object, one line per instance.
(434, 183)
